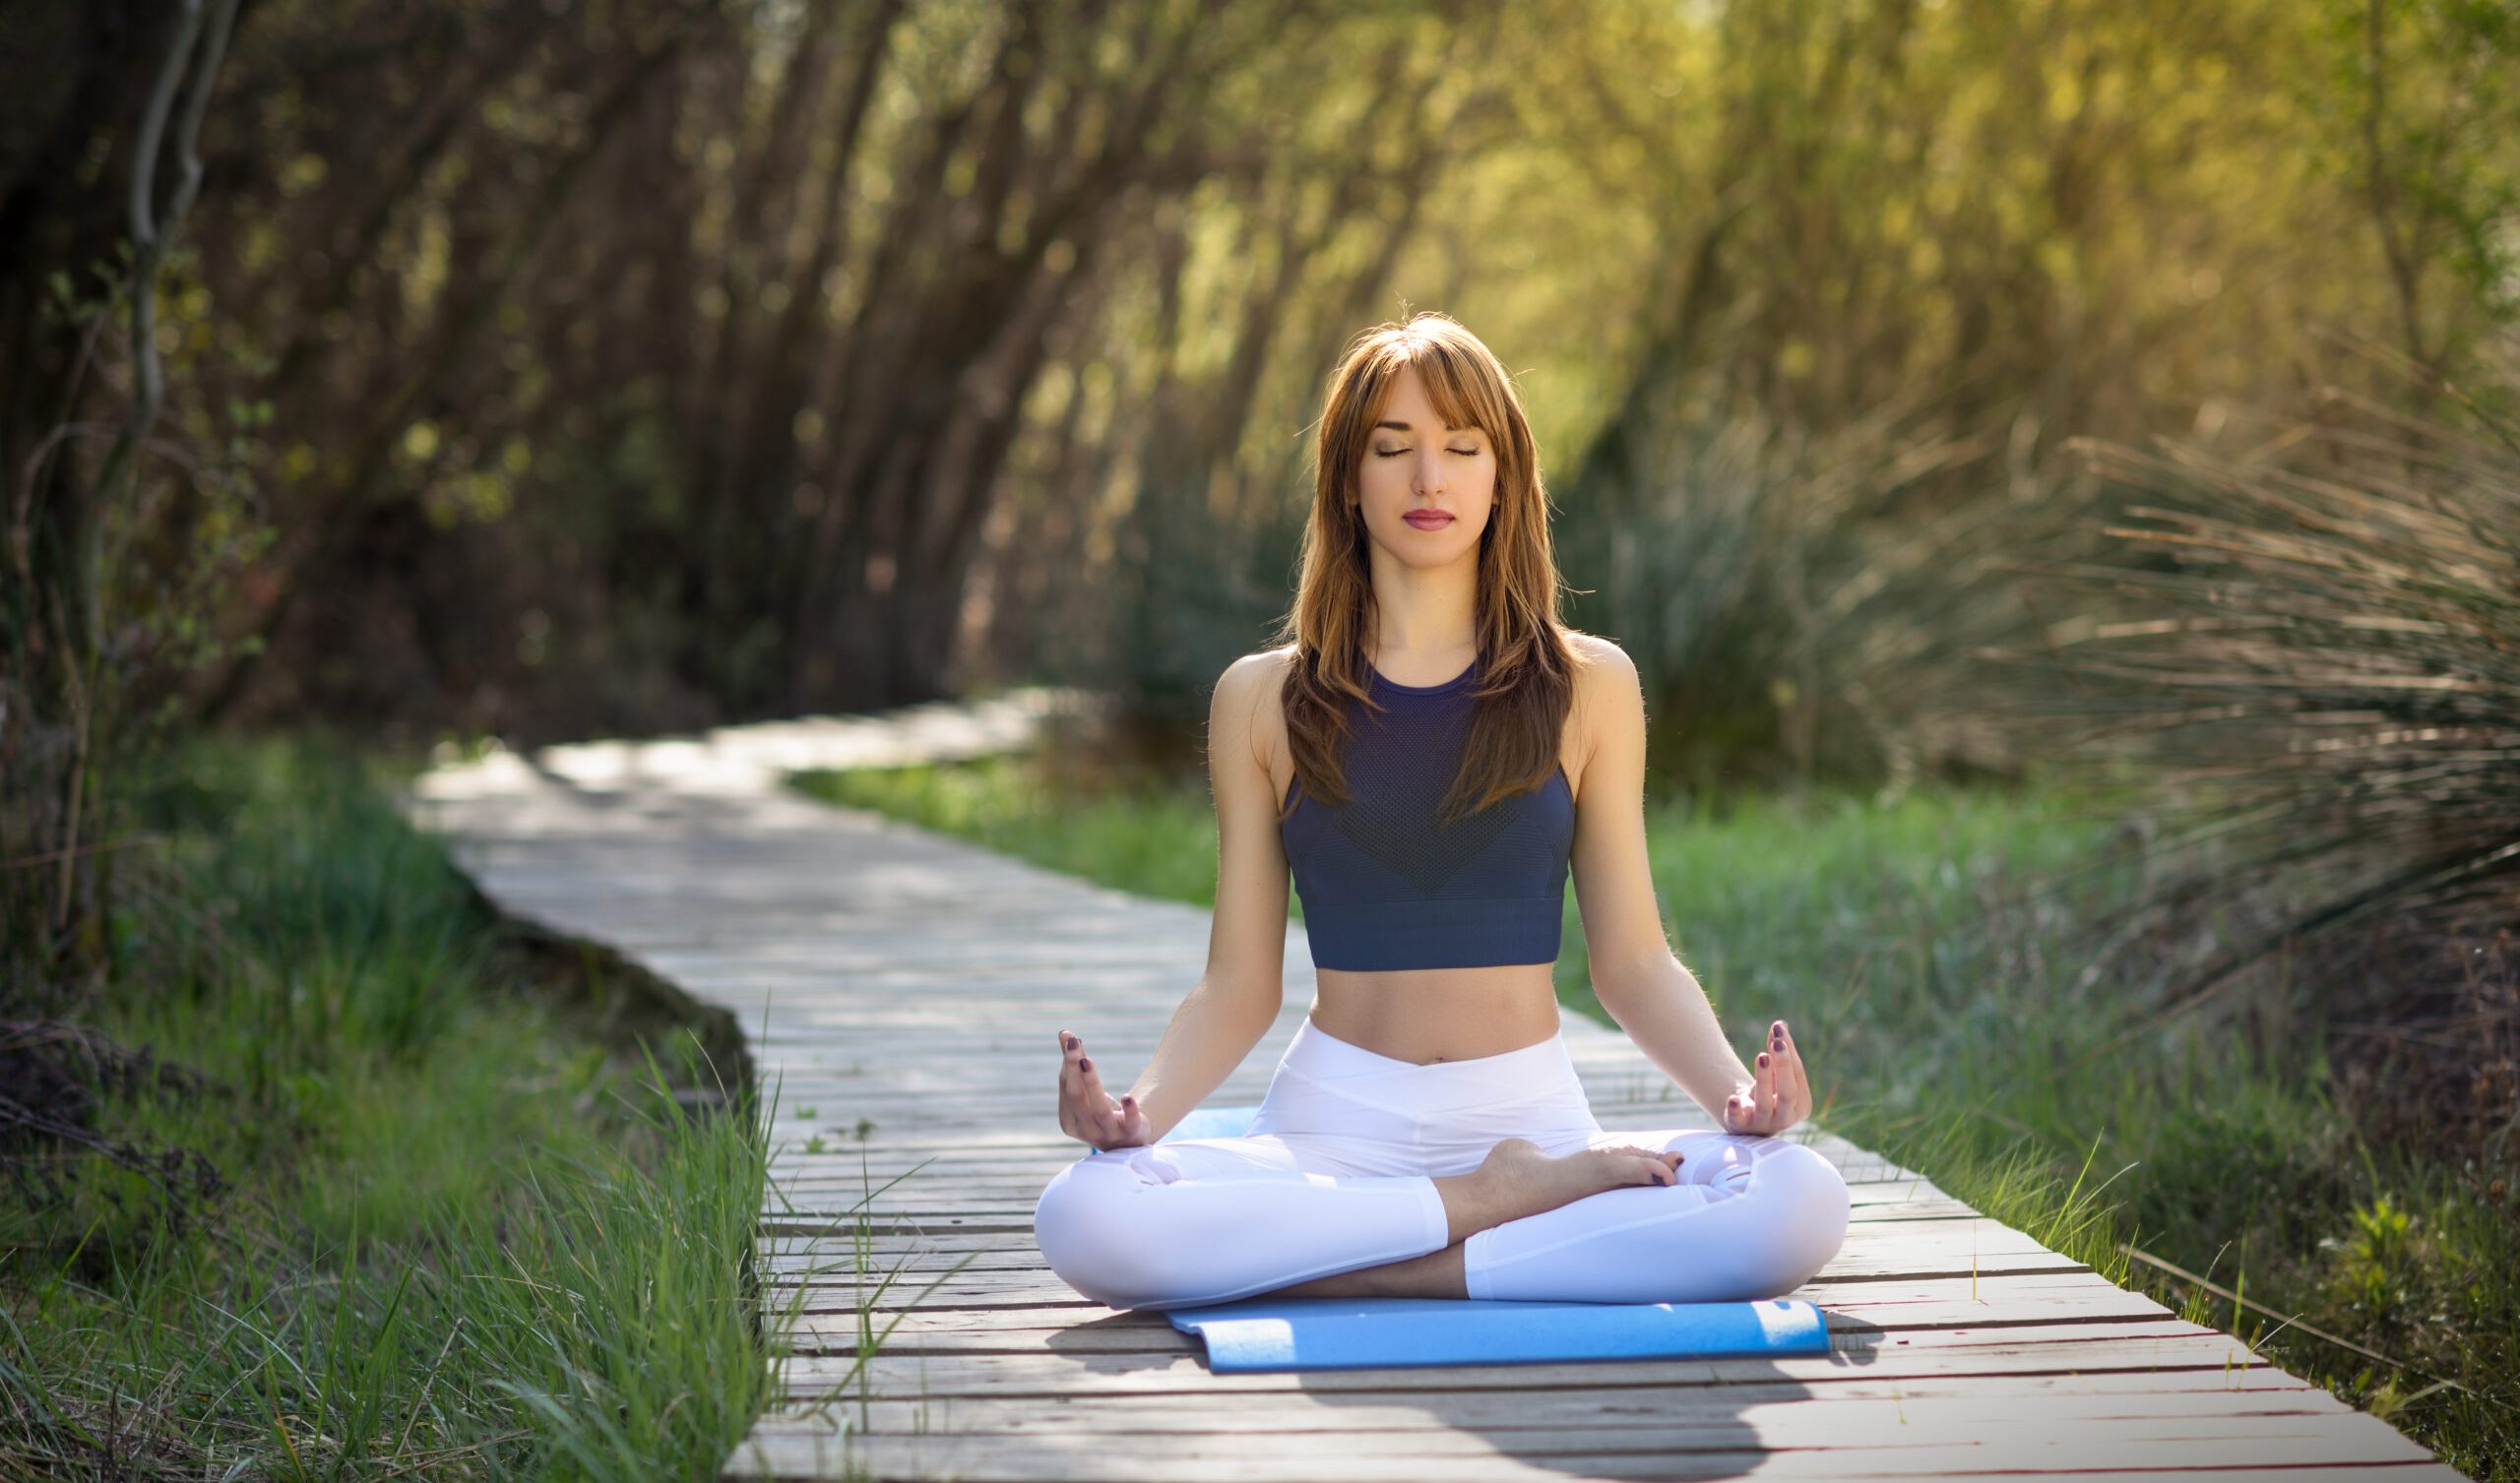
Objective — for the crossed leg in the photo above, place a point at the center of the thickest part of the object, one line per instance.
(1209, 1220)
(1750, 1217)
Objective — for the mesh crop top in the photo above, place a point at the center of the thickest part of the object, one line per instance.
(1386, 886)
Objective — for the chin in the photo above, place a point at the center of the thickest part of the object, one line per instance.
(1428, 556)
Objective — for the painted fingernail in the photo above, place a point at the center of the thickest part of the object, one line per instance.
(1086, 1064)
(1763, 1058)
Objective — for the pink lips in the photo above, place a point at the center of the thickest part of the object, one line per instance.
(1425, 520)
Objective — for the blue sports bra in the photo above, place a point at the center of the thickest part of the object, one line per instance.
(1384, 886)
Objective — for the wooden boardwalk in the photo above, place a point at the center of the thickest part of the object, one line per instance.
(900, 991)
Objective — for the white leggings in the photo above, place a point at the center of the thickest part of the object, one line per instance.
(1338, 1172)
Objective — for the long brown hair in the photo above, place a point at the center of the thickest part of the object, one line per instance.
(1526, 686)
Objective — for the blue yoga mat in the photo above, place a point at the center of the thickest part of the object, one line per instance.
(1354, 1334)
(1211, 1122)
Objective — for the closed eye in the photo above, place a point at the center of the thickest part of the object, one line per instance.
(1393, 453)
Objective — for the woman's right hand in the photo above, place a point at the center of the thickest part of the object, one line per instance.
(1086, 1111)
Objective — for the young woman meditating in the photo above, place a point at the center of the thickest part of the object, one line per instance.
(1429, 755)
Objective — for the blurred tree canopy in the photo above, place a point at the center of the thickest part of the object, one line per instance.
(655, 362)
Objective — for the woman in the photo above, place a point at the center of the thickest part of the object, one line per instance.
(1430, 754)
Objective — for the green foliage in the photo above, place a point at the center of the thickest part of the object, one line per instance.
(2313, 648)
(317, 905)
(744, 448)
(2419, 98)
(457, 1240)
(1793, 618)
(1199, 590)
(1151, 839)
(2371, 1263)
(111, 591)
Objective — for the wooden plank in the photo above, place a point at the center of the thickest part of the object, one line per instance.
(1922, 1248)
(1000, 1245)
(2048, 1297)
(2261, 1390)
(1888, 1440)
(840, 1157)
(791, 1163)
(2089, 1449)
(929, 1286)
(1045, 1145)
(1015, 1180)
(2151, 1344)
(950, 1219)
(2045, 1299)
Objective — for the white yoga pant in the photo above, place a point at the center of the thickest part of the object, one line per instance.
(1338, 1172)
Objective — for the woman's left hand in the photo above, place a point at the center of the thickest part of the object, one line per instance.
(1777, 1096)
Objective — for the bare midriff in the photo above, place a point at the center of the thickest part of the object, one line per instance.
(1430, 1014)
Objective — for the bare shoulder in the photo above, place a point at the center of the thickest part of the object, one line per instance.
(1606, 686)
(1603, 670)
(1247, 700)
(1255, 679)
(1595, 653)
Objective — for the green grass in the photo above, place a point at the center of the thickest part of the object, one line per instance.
(1138, 835)
(459, 1239)
(1931, 957)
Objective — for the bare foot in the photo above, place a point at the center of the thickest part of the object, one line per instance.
(1517, 1179)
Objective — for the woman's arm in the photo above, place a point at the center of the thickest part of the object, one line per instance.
(1238, 999)
(1639, 980)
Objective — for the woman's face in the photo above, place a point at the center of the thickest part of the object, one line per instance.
(1416, 466)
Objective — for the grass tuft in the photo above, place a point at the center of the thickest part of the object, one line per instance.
(457, 1240)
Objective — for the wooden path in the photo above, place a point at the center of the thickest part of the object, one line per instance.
(899, 992)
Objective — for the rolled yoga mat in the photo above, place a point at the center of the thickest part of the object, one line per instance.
(1213, 1122)
(1355, 1334)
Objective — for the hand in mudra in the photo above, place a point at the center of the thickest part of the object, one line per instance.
(1086, 1111)
(1778, 1095)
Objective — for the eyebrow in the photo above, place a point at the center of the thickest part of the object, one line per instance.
(1406, 428)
